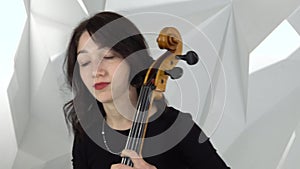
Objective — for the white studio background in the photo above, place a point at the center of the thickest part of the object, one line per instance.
(259, 127)
(13, 17)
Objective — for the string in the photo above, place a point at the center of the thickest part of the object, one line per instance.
(144, 117)
(124, 159)
(141, 122)
(138, 123)
(135, 135)
(130, 140)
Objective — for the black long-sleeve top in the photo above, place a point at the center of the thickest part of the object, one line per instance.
(173, 141)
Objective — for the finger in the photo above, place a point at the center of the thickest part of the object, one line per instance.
(120, 166)
(137, 160)
(130, 153)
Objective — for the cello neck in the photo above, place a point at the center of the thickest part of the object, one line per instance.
(138, 130)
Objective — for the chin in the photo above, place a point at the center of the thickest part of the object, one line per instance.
(104, 99)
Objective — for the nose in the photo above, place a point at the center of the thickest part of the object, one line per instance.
(98, 70)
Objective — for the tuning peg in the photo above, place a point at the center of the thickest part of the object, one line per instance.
(190, 57)
(174, 73)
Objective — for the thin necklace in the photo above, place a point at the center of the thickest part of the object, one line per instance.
(105, 141)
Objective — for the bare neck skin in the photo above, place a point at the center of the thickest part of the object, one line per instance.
(120, 111)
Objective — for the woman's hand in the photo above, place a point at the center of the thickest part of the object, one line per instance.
(138, 161)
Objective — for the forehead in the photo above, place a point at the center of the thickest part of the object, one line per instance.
(86, 45)
(86, 42)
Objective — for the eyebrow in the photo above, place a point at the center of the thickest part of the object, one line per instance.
(85, 51)
(82, 51)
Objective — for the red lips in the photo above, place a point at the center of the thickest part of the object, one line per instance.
(99, 86)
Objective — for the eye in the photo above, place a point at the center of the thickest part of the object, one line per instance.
(85, 64)
(109, 57)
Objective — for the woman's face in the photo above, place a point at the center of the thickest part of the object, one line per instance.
(104, 72)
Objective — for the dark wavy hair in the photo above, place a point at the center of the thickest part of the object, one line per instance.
(111, 30)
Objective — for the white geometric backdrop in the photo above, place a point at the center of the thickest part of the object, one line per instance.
(259, 128)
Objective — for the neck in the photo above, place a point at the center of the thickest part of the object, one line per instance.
(120, 112)
(117, 118)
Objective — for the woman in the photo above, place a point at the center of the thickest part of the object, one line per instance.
(105, 64)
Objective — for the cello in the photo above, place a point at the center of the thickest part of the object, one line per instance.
(154, 85)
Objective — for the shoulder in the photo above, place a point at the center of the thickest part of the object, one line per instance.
(82, 138)
(184, 123)
(177, 121)
(79, 139)
(172, 115)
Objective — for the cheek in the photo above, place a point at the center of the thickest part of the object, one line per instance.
(85, 74)
(121, 74)
(120, 80)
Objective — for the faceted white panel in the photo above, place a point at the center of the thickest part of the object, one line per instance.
(193, 11)
(294, 20)
(275, 47)
(42, 140)
(215, 30)
(233, 118)
(27, 6)
(67, 12)
(61, 162)
(216, 26)
(26, 160)
(262, 143)
(257, 18)
(39, 55)
(19, 87)
(8, 142)
(119, 5)
(292, 158)
(268, 86)
(47, 115)
(50, 31)
(59, 77)
(295, 56)
(14, 26)
(94, 6)
(46, 135)
(213, 102)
